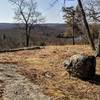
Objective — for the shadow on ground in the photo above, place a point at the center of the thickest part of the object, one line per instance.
(95, 80)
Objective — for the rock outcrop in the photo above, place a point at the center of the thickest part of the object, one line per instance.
(81, 66)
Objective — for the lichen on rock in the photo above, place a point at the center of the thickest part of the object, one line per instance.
(81, 66)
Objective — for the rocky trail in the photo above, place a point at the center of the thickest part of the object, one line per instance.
(14, 86)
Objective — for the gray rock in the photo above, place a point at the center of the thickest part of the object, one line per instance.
(81, 66)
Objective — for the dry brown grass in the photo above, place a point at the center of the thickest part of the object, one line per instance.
(45, 68)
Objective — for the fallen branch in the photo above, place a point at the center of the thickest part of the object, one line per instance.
(21, 49)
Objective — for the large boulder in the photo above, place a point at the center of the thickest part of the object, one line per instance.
(81, 66)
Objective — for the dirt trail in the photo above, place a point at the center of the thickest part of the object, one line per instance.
(14, 86)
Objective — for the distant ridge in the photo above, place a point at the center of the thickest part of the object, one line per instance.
(14, 25)
(7, 25)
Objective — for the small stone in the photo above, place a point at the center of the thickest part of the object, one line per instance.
(48, 74)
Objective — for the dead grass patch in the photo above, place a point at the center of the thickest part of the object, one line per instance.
(45, 68)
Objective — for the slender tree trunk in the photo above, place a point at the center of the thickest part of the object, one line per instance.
(98, 47)
(29, 32)
(73, 28)
(86, 25)
(27, 36)
(27, 40)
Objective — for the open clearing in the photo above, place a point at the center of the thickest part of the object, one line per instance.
(44, 68)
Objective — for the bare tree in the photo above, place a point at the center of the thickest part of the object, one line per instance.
(92, 8)
(86, 25)
(85, 22)
(25, 12)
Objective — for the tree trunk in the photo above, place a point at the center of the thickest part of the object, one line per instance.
(98, 47)
(86, 25)
(73, 28)
(27, 40)
(27, 36)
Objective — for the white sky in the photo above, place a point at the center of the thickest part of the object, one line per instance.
(53, 15)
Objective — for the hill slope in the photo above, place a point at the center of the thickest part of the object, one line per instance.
(44, 67)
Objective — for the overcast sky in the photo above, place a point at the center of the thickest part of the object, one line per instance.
(52, 14)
